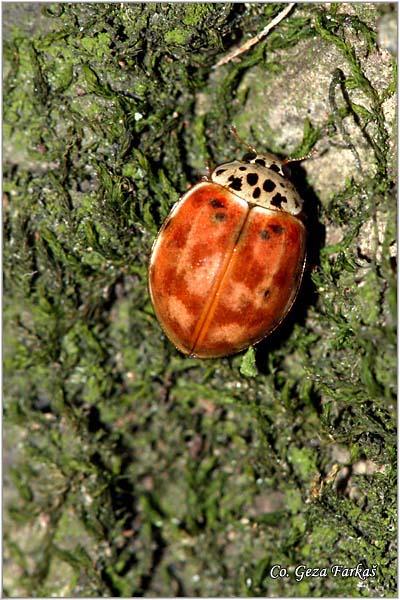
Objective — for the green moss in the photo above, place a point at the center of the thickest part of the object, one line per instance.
(195, 14)
(136, 471)
(177, 36)
(248, 366)
(303, 461)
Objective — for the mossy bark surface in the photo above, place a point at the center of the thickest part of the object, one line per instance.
(130, 469)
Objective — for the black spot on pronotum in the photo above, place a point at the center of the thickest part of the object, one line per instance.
(217, 203)
(275, 168)
(278, 229)
(269, 185)
(266, 293)
(278, 199)
(249, 156)
(252, 178)
(220, 216)
(260, 161)
(256, 193)
(264, 234)
(242, 168)
(220, 172)
(236, 183)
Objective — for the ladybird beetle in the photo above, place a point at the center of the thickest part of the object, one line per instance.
(228, 261)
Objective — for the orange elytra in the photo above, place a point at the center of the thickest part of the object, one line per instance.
(227, 264)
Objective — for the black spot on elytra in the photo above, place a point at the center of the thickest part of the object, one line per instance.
(242, 168)
(260, 161)
(266, 294)
(264, 234)
(278, 229)
(220, 172)
(217, 203)
(269, 185)
(236, 183)
(249, 156)
(220, 216)
(257, 193)
(275, 168)
(278, 199)
(252, 178)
